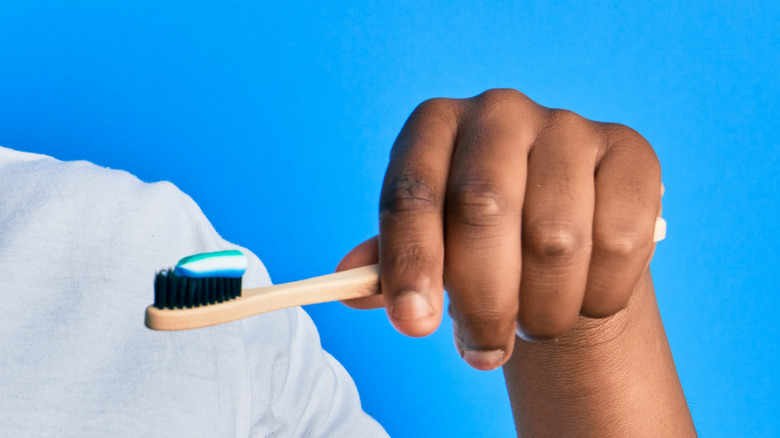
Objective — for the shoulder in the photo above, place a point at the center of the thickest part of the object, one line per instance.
(90, 212)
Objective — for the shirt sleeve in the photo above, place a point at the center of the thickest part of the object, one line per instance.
(79, 246)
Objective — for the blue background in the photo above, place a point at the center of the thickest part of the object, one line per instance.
(278, 119)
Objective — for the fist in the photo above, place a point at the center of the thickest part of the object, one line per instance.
(529, 217)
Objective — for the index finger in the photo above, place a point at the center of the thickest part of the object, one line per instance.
(411, 234)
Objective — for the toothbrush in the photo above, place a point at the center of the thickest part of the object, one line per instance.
(205, 290)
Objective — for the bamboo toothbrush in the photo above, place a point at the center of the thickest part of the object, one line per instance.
(205, 290)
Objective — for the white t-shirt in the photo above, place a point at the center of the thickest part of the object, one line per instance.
(79, 247)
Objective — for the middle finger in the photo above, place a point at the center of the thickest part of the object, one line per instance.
(482, 256)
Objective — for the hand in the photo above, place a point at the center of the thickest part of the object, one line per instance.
(528, 216)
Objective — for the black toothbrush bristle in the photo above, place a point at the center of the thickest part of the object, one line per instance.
(173, 291)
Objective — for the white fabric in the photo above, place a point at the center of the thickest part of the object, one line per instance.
(79, 246)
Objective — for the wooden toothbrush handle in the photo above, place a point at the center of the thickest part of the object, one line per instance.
(353, 283)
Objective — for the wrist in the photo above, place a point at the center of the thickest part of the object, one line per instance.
(606, 377)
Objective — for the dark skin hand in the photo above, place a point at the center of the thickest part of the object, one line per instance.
(538, 223)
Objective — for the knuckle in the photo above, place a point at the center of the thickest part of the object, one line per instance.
(407, 193)
(482, 316)
(502, 94)
(565, 127)
(624, 245)
(620, 132)
(406, 258)
(546, 240)
(505, 111)
(650, 161)
(569, 121)
(566, 117)
(499, 99)
(630, 141)
(429, 121)
(477, 205)
(435, 108)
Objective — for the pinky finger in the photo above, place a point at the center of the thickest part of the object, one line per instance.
(628, 183)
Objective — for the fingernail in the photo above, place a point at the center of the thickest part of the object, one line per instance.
(411, 306)
(484, 360)
(521, 334)
(524, 336)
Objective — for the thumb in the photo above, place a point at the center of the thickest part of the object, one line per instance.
(366, 253)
